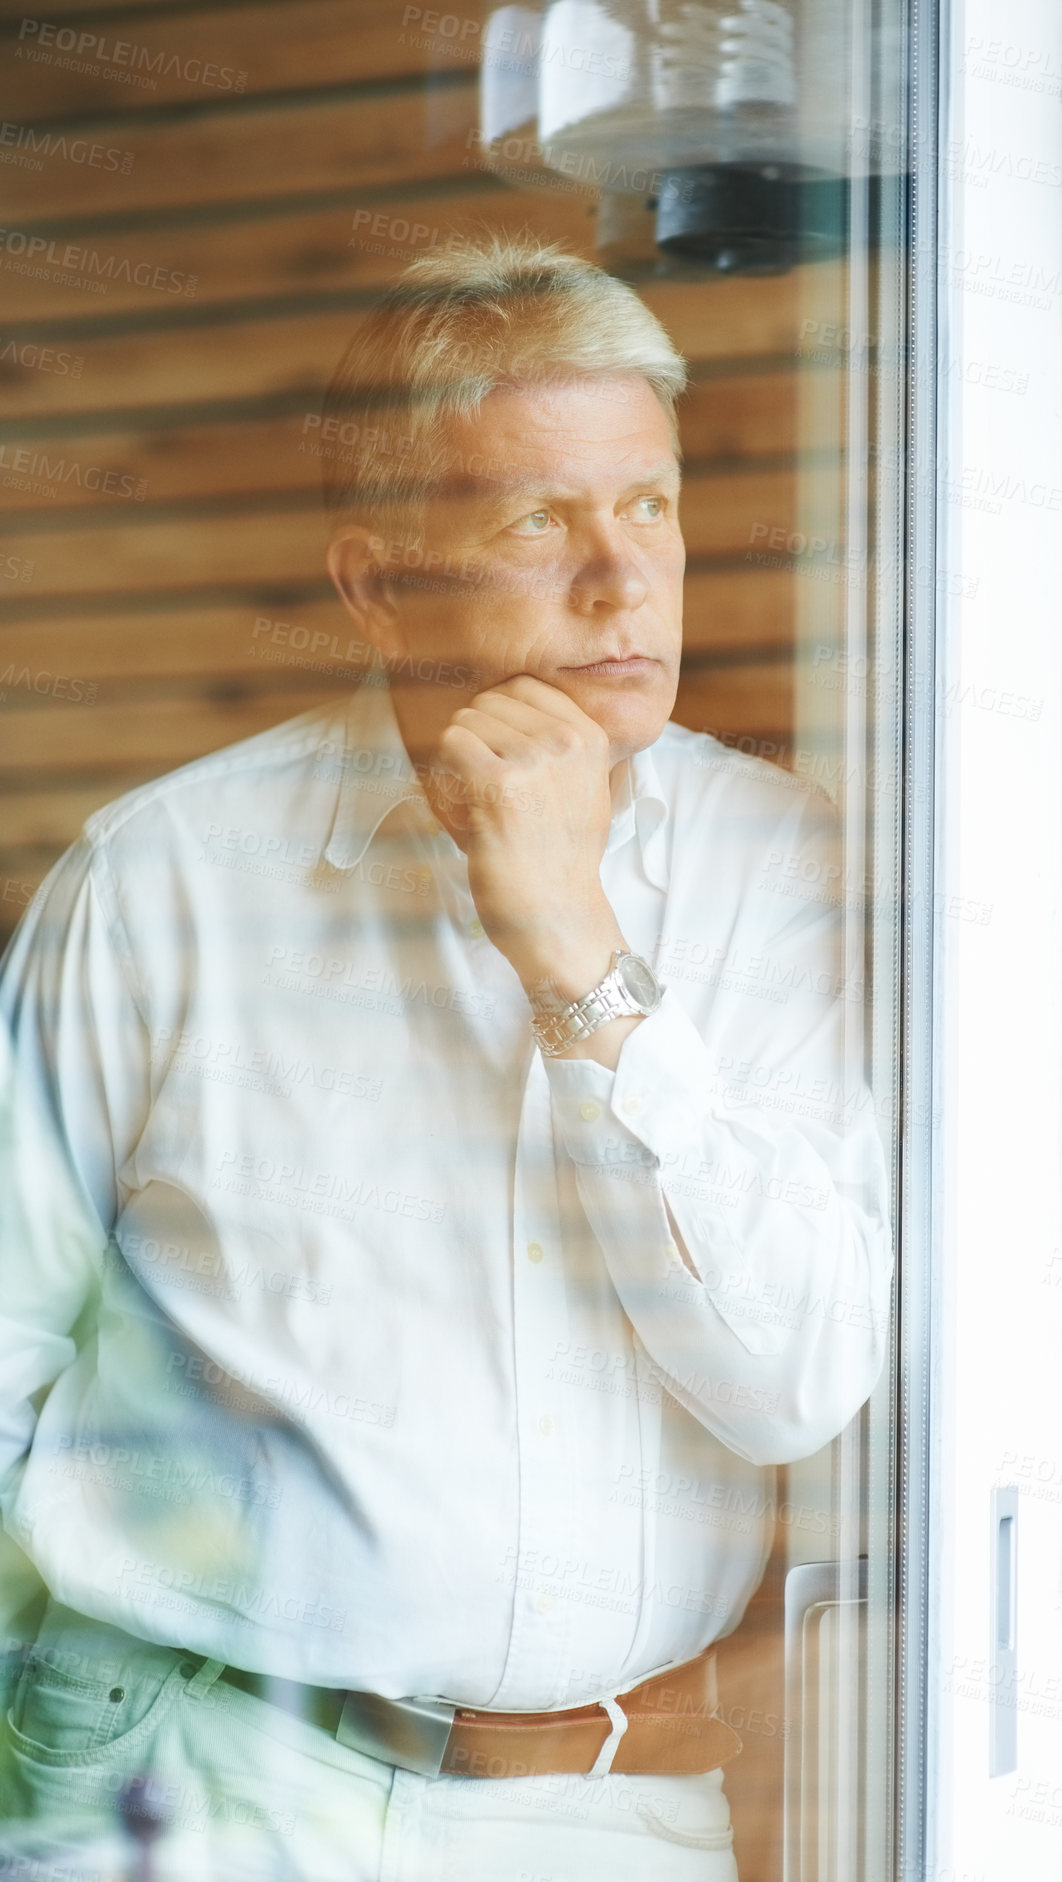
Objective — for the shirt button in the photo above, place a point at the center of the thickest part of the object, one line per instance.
(535, 1251)
(543, 1603)
(477, 929)
(545, 1425)
(680, 1266)
(589, 1111)
(632, 1106)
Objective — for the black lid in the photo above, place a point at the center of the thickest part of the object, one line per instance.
(751, 219)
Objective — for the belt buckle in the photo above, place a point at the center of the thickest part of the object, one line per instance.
(411, 1733)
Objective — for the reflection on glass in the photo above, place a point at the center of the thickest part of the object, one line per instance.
(401, 1387)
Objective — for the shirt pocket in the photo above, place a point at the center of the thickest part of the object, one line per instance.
(60, 1717)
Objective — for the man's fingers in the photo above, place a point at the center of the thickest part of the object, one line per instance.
(495, 731)
(472, 760)
(543, 712)
(545, 698)
(537, 727)
(508, 709)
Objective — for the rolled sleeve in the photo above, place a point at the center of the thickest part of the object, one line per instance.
(69, 1097)
(770, 1327)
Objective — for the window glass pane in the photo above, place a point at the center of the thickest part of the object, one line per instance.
(363, 1345)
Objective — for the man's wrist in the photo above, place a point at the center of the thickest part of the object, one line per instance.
(555, 991)
(553, 979)
(559, 969)
(595, 1023)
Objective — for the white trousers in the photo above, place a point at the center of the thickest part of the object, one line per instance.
(125, 1759)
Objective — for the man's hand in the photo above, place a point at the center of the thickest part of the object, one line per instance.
(521, 779)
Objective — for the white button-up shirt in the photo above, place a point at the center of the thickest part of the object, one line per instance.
(374, 1357)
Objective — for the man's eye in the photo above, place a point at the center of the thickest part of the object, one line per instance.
(648, 509)
(534, 525)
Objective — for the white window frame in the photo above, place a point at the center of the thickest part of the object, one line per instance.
(981, 1239)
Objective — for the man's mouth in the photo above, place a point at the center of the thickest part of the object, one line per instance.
(617, 667)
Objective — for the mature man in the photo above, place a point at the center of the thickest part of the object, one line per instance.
(385, 1240)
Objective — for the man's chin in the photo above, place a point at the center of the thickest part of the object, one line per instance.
(626, 741)
(629, 731)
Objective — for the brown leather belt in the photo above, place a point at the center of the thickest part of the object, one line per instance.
(672, 1727)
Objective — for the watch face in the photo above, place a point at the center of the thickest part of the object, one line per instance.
(640, 982)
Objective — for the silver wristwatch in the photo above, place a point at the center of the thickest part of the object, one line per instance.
(630, 986)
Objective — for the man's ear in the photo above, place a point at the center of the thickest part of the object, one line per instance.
(361, 583)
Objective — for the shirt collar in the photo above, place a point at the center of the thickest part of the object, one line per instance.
(640, 809)
(376, 775)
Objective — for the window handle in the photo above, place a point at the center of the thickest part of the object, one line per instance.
(816, 1596)
(1003, 1658)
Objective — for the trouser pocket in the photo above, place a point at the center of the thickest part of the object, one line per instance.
(692, 1811)
(88, 1691)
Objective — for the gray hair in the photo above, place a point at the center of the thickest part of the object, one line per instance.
(486, 311)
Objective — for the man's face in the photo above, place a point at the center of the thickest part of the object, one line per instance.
(561, 509)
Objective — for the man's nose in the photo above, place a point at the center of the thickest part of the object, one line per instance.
(609, 577)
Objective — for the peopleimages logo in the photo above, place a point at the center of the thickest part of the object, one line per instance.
(22, 468)
(40, 358)
(55, 685)
(124, 59)
(21, 144)
(37, 255)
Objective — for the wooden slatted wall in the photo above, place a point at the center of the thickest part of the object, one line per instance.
(185, 252)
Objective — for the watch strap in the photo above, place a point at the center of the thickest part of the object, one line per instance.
(555, 1031)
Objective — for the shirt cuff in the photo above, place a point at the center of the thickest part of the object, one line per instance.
(655, 1096)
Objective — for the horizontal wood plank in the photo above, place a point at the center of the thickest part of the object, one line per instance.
(743, 414)
(159, 735)
(266, 150)
(188, 554)
(180, 644)
(753, 703)
(220, 54)
(357, 248)
(21, 872)
(48, 819)
(729, 611)
(259, 359)
(15, 10)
